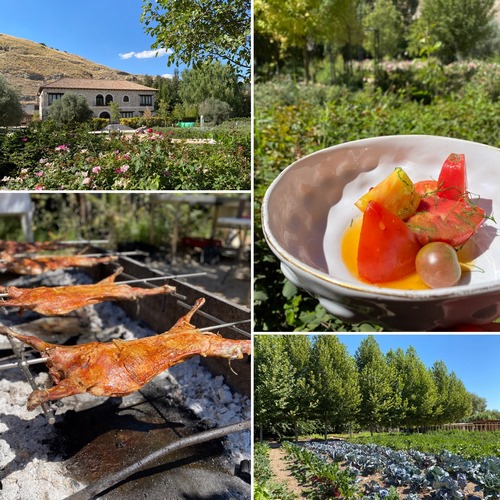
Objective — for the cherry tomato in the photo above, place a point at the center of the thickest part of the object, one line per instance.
(387, 248)
(437, 265)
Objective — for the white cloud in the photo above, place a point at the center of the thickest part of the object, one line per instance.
(146, 54)
(167, 75)
(128, 55)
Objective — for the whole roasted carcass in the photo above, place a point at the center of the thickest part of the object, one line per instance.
(39, 265)
(60, 300)
(13, 247)
(120, 367)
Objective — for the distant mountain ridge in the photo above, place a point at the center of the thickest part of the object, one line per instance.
(27, 65)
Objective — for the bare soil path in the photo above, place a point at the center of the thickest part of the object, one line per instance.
(281, 473)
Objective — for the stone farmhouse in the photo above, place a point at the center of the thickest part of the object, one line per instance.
(132, 98)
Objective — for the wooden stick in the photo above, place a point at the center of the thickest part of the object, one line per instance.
(114, 478)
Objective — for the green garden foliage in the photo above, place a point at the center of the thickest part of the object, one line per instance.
(201, 30)
(45, 156)
(471, 445)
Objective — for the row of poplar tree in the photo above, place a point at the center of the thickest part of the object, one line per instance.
(302, 383)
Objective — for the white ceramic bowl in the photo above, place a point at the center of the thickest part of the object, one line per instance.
(308, 206)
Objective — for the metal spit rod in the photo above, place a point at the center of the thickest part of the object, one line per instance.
(139, 280)
(171, 276)
(220, 324)
(18, 350)
(23, 362)
(101, 254)
(83, 242)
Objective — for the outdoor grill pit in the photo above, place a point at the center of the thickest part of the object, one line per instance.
(95, 436)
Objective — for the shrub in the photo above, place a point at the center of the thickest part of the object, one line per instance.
(99, 123)
(70, 110)
(142, 121)
(215, 110)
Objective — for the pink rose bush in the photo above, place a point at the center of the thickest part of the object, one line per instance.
(75, 159)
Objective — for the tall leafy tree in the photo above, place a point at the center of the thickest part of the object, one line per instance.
(336, 383)
(453, 401)
(169, 91)
(215, 80)
(304, 398)
(459, 25)
(197, 31)
(460, 402)
(396, 365)
(114, 111)
(273, 383)
(290, 24)
(301, 24)
(419, 391)
(375, 385)
(384, 27)
(11, 111)
(479, 404)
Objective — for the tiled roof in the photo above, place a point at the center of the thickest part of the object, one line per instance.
(95, 84)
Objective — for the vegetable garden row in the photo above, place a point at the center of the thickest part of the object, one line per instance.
(265, 487)
(348, 470)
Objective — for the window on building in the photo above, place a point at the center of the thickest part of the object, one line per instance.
(109, 98)
(126, 98)
(146, 100)
(127, 114)
(54, 97)
(99, 100)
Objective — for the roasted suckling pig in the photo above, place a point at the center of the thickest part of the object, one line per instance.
(120, 367)
(13, 247)
(39, 265)
(60, 300)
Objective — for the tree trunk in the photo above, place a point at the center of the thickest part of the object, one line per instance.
(332, 64)
(305, 54)
(261, 433)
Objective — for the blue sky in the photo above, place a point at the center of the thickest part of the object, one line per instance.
(474, 358)
(107, 32)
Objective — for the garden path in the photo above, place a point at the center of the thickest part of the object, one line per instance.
(281, 474)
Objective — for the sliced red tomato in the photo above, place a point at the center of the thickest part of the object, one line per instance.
(387, 247)
(442, 219)
(452, 179)
(426, 188)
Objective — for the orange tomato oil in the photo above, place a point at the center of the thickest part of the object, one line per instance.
(349, 249)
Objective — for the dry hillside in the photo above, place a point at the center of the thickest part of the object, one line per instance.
(26, 65)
